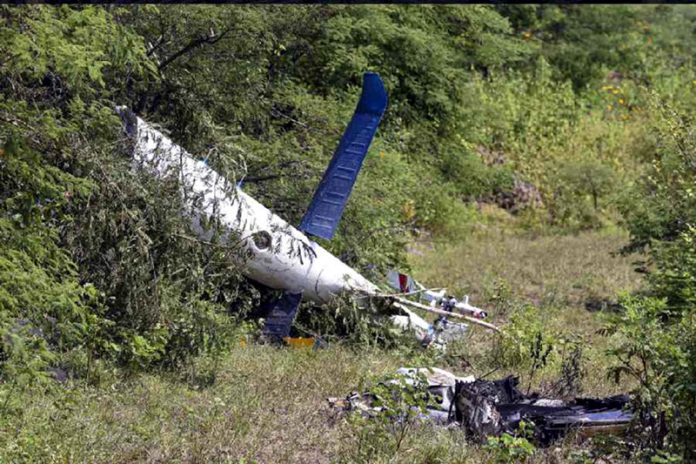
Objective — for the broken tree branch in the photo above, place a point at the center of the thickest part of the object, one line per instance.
(413, 292)
(209, 38)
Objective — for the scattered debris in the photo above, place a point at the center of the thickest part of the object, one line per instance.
(436, 298)
(435, 335)
(439, 383)
(490, 408)
(438, 302)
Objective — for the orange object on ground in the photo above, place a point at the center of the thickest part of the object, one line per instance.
(300, 342)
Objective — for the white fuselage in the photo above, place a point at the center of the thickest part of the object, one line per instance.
(276, 254)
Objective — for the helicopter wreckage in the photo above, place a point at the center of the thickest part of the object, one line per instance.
(284, 257)
(485, 408)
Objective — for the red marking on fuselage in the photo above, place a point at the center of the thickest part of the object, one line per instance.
(403, 283)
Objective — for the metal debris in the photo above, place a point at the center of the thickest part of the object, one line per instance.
(490, 408)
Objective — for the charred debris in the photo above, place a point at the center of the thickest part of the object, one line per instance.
(486, 408)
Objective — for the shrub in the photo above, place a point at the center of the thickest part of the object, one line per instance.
(659, 356)
(580, 192)
(657, 333)
(96, 261)
(510, 448)
(401, 402)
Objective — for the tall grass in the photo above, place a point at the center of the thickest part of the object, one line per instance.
(546, 270)
(262, 404)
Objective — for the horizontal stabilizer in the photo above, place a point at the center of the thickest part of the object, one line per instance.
(324, 213)
(281, 314)
(407, 285)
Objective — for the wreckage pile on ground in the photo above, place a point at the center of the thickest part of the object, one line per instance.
(492, 407)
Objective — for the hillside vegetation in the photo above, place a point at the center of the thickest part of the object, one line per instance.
(534, 157)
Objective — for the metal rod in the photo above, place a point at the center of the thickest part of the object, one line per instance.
(407, 302)
(413, 292)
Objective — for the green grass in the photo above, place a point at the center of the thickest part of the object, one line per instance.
(265, 404)
(505, 272)
(262, 404)
(547, 270)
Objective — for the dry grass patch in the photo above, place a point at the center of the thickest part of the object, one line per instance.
(266, 405)
(552, 270)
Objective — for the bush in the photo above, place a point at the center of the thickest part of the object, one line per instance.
(96, 260)
(580, 193)
(401, 402)
(45, 308)
(659, 356)
(657, 333)
(510, 448)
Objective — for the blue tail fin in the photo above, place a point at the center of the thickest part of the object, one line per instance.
(324, 213)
